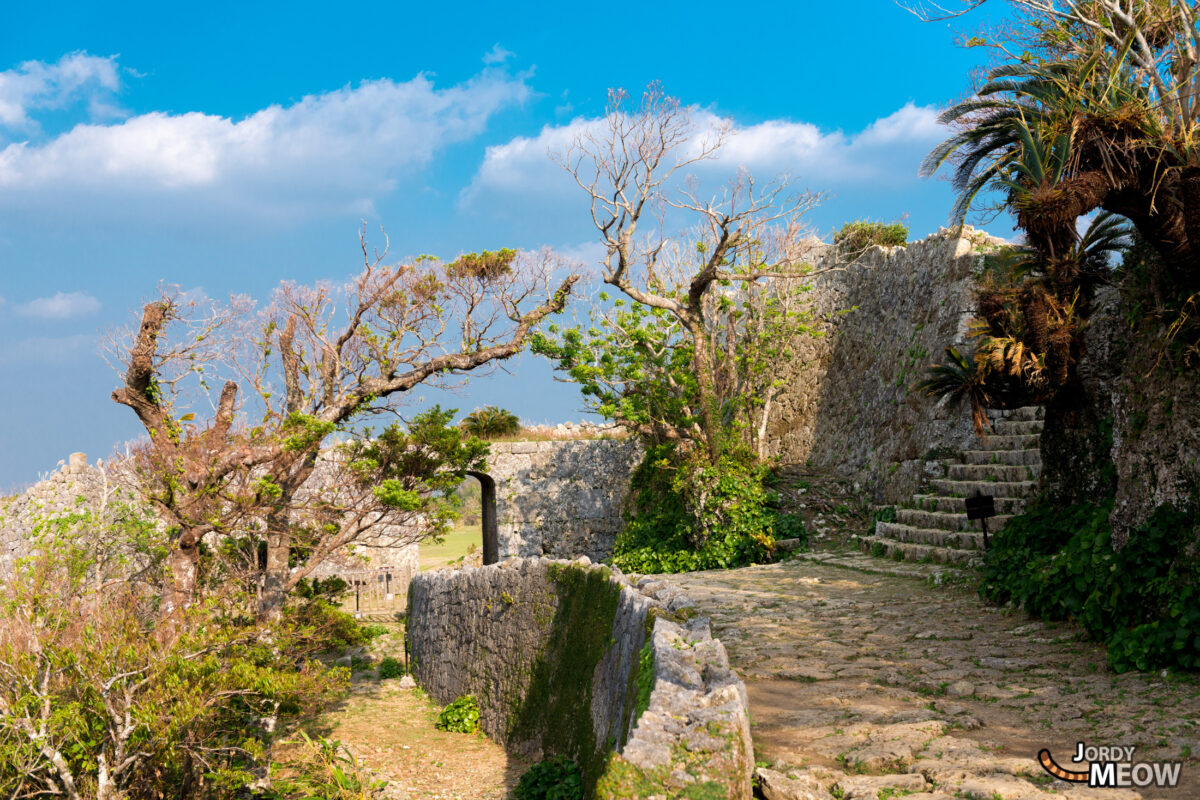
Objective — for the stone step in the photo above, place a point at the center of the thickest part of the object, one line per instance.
(1018, 442)
(958, 505)
(1023, 414)
(1000, 472)
(890, 548)
(958, 540)
(1008, 427)
(947, 520)
(1012, 457)
(949, 488)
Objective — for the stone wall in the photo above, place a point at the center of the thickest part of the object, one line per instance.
(848, 406)
(555, 653)
(1131, 428)
(561, 498)
(76, 487)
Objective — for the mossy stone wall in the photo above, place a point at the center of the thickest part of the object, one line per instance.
(566, 658)
(545, 646)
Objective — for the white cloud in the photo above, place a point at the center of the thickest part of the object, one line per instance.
(36, 85)
(497, 55)
(886, 152)
(338, 150)
(46, 349)
(63, 305)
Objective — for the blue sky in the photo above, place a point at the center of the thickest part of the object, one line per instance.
(231, 146)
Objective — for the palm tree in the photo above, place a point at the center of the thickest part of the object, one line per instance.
(961, 379)
(491, 422)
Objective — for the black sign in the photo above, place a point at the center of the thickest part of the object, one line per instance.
(981, 506)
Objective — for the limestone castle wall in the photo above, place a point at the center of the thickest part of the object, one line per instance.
(561, 498)
(847, 406)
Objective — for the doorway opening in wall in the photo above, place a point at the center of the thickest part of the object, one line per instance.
(473, 539)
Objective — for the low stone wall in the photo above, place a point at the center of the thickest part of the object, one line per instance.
(570, 659)
(561, 498)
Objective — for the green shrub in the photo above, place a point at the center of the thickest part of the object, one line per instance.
(197, 699)
(1143, 601)
(854, 238)
(334, 628)
(686, 515)
(490, 422)
(390, 668)
(551, 779)
(461, 716)
(371, 632)
(329, 589)
(789, 526)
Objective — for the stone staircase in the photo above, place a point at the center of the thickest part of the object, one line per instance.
(935, 526)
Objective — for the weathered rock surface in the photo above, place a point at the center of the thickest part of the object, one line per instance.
(847, 406)
(858, 681)
(561, 498)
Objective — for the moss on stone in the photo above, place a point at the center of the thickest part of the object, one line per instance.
(622, 780)
(555, 709)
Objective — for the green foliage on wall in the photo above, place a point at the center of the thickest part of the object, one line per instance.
(555, 709)
(1143, 601)
(854, 238)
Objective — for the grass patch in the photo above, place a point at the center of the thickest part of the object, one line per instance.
(455, 545)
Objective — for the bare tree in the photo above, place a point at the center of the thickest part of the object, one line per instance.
(317, 360)
(749, 232)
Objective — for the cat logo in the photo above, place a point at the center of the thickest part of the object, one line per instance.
(1113, 767)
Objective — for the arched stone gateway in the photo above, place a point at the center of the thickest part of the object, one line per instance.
(559, 498)
(487, 516)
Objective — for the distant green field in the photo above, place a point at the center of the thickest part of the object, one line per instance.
(455, 545)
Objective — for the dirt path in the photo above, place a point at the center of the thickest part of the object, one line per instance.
(390, 730)
(853, 674)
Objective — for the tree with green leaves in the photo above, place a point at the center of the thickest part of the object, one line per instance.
(316, 363)
(1092, 106)
(686, 356)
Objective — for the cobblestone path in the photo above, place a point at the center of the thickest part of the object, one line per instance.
(874, 686)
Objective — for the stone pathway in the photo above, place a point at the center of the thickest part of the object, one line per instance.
(868, 685)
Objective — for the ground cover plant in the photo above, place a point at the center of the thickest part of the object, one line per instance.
(390, 668)
(1142, 601)
(552, 779)
(460, 716)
